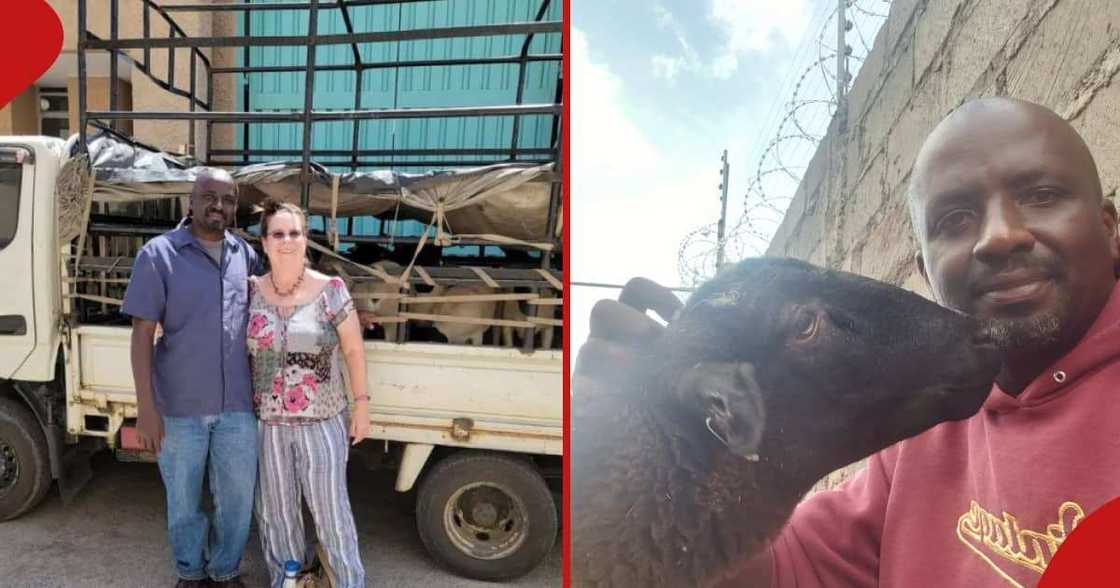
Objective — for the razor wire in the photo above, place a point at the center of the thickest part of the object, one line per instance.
(804, 119)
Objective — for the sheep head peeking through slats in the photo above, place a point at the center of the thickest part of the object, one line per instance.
(360, 290)
(775, 373)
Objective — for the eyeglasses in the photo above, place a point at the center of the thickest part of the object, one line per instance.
(279, 235)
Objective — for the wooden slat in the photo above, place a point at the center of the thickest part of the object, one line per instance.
(102, 288)
(486, 279)
(95, 298)
(466, 320)
(467, 298)
(547, 302)
(446, 274)
(106, 280)
(425, 276)
(374, 318)
(551, 279)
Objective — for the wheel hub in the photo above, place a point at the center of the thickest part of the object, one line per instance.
(485, 514)
(9, 466)
(485, 521)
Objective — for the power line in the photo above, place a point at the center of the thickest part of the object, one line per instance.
(821, 81)
(619, 286)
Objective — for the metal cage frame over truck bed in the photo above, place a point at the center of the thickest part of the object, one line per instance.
(200, 109)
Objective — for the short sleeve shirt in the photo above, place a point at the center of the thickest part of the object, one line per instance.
(295, 355)
(201, 366)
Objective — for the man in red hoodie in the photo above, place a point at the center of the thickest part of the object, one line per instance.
(1007, 206)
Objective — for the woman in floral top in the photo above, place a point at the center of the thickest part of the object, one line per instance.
(301, 324)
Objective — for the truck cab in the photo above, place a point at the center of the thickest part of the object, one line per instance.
(32, 357)
(30, 303)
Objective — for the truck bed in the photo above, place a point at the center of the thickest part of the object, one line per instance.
(469, 396)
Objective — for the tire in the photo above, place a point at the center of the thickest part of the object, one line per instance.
(25, 467)
(486, 516)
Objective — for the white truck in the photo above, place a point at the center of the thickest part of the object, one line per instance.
(477, 429)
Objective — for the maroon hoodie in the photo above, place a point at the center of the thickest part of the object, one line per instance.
(983, 502)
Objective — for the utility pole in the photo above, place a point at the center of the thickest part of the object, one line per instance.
(724, 169)
(843, 25)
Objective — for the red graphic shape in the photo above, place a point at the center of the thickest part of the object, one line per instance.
(1088, 556)
(30, 40)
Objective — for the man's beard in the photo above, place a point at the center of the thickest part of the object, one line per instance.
(1022, 334)
(212, 223)
(1031, 333)
(1040, 330)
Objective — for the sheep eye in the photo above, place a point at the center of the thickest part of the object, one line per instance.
(808, 322)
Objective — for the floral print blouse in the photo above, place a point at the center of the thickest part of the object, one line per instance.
(295, 356)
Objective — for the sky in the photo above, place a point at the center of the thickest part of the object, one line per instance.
(659, 89)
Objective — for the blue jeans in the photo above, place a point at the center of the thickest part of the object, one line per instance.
(227, 443)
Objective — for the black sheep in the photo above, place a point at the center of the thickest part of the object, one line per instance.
(775, 373)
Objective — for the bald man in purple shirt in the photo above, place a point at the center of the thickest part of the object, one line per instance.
(193, 390)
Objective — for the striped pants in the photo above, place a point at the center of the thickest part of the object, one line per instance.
(306, 461)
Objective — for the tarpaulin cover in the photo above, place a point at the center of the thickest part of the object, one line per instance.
(507, 199)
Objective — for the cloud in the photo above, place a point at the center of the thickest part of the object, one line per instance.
(601, 130)
(643, 176)
(663, 16)
(666, 67)
(637, 187)
(751, 26)
(747, 27)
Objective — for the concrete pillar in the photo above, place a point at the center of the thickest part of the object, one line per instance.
(97, 98)
(21, 115)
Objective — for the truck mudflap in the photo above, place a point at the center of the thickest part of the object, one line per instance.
(69, 464)
(75, 471)
(412, 463)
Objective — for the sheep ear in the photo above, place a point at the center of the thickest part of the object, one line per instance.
(730, 401)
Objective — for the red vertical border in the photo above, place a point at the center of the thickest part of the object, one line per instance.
(566, 190)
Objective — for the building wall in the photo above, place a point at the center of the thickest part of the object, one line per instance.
(97, 98)
(144, 94)
(476, 85)
(21, 116)
(226, 87)
(409, 87)
(418, 87)
(172, 135)
(931, 55)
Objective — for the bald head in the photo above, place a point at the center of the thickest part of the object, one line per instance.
(993, 123)
(213, 202)
(208, 177)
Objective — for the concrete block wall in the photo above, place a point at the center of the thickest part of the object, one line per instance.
(930, 55)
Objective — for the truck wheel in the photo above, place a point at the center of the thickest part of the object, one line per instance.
(25, 470)
(486, 516)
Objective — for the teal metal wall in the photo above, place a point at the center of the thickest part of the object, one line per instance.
(445, 86)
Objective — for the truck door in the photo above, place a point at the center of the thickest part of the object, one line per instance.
(17, 295)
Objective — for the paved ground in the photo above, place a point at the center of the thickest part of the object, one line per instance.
(114, 534)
